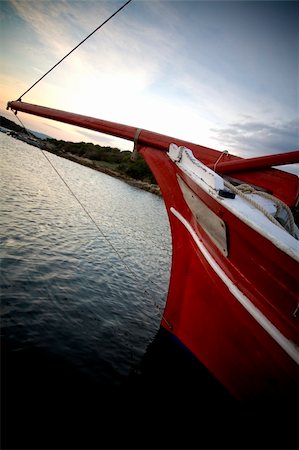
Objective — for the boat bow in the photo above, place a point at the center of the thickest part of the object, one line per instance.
(233, 293)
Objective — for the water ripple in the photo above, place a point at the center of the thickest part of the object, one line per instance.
(93, 297)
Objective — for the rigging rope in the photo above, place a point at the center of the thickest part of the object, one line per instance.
(88, 214)
(128, 268)
(15, 113)
(80, 43)
(244, 189)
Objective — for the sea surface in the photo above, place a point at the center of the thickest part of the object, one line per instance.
(85, 267)
(85, 259)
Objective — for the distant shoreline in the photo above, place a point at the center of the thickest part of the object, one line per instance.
(12, 129)
(96, 165)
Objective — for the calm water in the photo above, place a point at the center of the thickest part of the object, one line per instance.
(90, 296)
(83, 362)
(85, 293)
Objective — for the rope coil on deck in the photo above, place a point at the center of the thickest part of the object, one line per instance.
(244, 189)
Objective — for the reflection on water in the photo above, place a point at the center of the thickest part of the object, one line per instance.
(67, 285)
(83, 362)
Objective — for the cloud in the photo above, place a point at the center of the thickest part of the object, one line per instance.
(179, 68)
(51, 126)
(251, 137)
(45, 21)
(113, 68)
(103, 140)
(120, 46)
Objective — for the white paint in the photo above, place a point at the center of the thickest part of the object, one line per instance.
(242, 209)
(184, 157)
(288, 346)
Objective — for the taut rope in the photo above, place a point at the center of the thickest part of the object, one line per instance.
(78, 45)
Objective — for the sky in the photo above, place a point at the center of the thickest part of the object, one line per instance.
(223, 74)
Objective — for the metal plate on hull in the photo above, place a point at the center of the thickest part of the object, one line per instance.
(206, 218)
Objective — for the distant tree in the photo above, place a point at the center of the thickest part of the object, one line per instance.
(121, 160)
(137, 169)
(6, 123)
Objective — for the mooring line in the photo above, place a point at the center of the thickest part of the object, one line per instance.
(129, 269)
(59, 175)
(75, 48)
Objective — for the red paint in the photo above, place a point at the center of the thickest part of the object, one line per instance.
(204, 314)
(207, 318)
(261, 162)
(283, 185)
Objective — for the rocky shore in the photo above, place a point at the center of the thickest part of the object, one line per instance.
(17, 132)
(96, 165)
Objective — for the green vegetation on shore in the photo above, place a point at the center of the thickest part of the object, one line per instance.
(110, 160)
(6, 123)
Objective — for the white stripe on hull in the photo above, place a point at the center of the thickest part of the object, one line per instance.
(288, 346)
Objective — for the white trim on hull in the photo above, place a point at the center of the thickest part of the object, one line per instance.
(288, 346)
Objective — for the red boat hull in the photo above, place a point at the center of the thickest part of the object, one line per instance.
(206, 316)
(235, 308)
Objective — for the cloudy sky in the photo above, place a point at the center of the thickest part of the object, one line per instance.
(218, 73)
